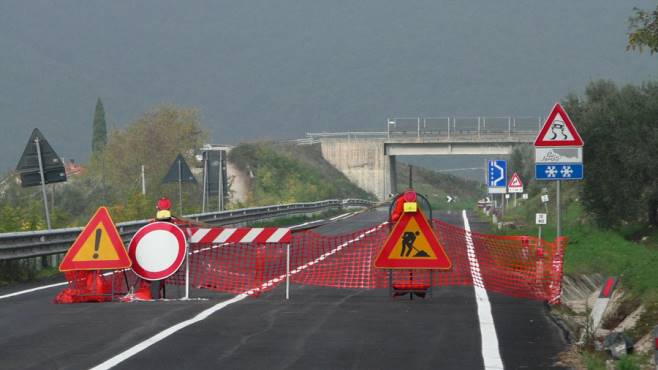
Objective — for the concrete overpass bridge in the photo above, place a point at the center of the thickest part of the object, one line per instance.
(368, 158)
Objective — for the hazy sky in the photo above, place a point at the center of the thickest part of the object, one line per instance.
(277, 69)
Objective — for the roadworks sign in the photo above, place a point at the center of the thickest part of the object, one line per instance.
(98, 247)
(413, 245)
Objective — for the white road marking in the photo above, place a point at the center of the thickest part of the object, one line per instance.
(490, 349)
(32, 290)
(165, 333)
(209, 311)
(9, 295)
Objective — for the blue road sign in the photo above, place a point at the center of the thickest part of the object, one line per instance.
(497, 174)
(559, 171)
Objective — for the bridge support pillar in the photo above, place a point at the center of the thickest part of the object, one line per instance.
(392, 175)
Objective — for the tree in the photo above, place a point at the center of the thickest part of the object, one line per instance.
(620, 132)
(643, 30)
(154, 140)
(99, 133)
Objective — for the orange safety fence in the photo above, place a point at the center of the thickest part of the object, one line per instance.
(518, 266)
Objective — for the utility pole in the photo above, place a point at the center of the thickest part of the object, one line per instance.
(143, 182)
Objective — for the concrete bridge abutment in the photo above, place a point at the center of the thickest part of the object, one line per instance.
(369, 162)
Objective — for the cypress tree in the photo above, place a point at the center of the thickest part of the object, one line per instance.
(99, 133)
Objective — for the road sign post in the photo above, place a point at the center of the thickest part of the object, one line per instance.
(558, 154)
(497, 176)
(515, 186)
(97, 247)
(188, 254)
(157, 250)
(43, 183)
(40, 165)
(179, 172)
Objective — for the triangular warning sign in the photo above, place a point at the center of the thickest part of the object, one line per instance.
(412, 245)
(558, 130)
(515, 182)
(98, 247)
(179, 170)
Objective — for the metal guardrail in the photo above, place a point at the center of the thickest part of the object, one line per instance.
(48, 242)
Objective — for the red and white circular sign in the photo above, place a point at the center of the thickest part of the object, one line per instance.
(157, 250)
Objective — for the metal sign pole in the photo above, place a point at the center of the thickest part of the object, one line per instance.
(205, 181)
(287, 271)
(43, 183)
(180, 190)
(187, 270)
(220, 184)
(558, 211)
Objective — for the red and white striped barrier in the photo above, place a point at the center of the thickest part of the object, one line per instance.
(217, 235)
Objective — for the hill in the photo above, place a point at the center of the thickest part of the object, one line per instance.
(286, 172)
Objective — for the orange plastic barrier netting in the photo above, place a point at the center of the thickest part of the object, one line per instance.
(512, 265)
(91, 286)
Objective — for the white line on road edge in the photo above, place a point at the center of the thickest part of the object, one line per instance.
(490, 350)
(9, 295)
(32, 290)
(209, 311)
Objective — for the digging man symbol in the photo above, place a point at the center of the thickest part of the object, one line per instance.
(408, 239)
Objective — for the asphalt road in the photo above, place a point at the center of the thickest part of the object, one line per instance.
(319, 328)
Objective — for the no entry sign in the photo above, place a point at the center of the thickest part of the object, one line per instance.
(157, 250)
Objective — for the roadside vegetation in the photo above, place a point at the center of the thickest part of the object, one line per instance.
(610, 217)
(438, 186)
(287, 173)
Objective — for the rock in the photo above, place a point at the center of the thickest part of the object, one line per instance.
(630, 320)
(645, 344)
(618, 344)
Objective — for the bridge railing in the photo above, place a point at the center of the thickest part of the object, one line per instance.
(29, 244)
(444, 127)
(462, 125)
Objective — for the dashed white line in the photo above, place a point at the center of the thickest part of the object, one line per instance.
(490, 349)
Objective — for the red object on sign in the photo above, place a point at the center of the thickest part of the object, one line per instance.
(98, 247)
(157, 250)
(412, 245)
(515, 182)
(558, 130)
